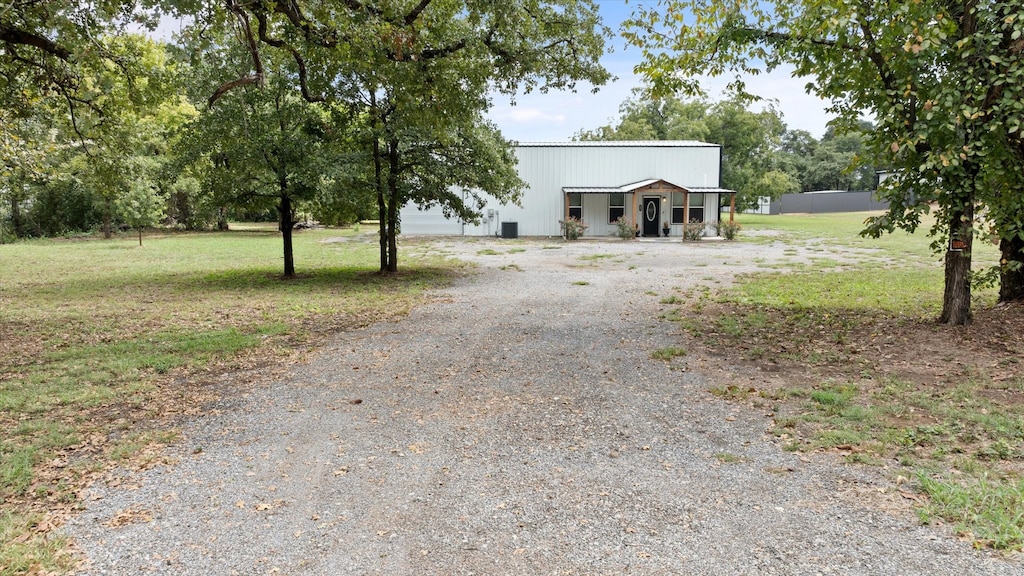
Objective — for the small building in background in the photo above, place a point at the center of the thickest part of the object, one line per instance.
(828, 201)
(649, 183)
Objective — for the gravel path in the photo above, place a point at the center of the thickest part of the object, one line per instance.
(516, 426)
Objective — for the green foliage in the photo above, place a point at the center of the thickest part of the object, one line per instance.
(693, 231)
(750, 140)
(141, 207)
(573, 228)
(419, 79)
(624, 229)
(727, 229)
(952, 144)
(985, 506)
(73, 172)
(668, 353)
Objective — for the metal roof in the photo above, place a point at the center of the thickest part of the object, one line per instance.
(709, 190)
(621, 144)
(626, 188)
(608, 189)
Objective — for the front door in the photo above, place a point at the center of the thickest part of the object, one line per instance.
(651, 215)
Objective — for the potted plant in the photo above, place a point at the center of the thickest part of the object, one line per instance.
(665, 228)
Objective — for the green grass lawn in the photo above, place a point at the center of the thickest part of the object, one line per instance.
(104, 341)
(897, 272)
(958, 444)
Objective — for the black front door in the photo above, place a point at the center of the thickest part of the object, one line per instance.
(651, 215)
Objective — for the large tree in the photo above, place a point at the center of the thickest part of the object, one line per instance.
(836, 162)
(134, 107)
(111, 138)
(50, 48)
(263, 146)
(942, 79)
(424, 69)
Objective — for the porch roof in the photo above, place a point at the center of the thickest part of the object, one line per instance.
(633, 186)
(708, 190)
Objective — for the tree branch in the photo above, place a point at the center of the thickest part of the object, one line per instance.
(259, 77)
(411, 17)
(228, 86)
(16, 36)
(299, 60)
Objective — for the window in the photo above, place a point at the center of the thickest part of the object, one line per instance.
(677, 208)
(616, 206)
(576, 206)
(696, 207)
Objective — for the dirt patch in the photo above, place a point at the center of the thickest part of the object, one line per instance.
(934, 392)
(852, 347)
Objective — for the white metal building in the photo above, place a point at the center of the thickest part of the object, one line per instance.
(649, 183)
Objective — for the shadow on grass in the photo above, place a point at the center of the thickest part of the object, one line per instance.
(334, 278)
(338, 281)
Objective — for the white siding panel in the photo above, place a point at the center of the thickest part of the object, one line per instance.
(595, 215)
(546, 169)
(429, 222)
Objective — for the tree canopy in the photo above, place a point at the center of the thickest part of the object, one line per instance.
(404, 83)
(751, 141)
(942, 80)
(422, 71)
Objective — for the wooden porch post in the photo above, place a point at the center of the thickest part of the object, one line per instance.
(686, 207)
(634, 209)
(566, 217)
(732, 207)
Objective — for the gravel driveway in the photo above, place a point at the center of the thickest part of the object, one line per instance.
(516, 426)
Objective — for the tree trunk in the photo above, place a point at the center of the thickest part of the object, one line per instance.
(378, 181)
(140, 236)
(382, 215)
(956, 298)
(222, 219)
(285, 208)
(393, 159)
(1011, 279)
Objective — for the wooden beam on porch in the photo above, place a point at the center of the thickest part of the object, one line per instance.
(732, 208)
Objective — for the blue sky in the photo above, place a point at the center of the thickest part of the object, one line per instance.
(557, 116)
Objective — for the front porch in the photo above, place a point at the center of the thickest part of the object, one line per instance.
(649, 206)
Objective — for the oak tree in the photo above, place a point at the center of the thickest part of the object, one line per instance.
(423, 71)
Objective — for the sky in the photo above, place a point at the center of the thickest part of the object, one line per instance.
(557, 116)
